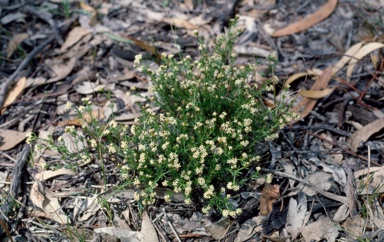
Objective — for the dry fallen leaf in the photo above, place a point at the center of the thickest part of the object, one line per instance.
(324, 228)
(308, 21)
(269, 195)
(89, 206)
(315, 93)
(296, 214)
(92, 11)
(347, 57)
(11, 138)
(122, 234)
(375, 180)
(320, 179)
(376, 215)
(305, 106)
(74, 36)
(363, 51)
(73, 145)
(62, 70)
(128, 116)
(79, 49)
(364, 133)
(14, 42)
(311, 72)
(148, 229)
(97, 113)
(44, 197)
(354, 227)
(15, 93)
(258, 7)
(145, 46)
(249, 228)
(341, 214)
(180, 22)
(3, 177)
(86, 87)
(218, 229)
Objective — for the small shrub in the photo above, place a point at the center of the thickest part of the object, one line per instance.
(202, 143)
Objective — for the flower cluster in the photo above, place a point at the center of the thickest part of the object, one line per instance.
(200, 144)
(203, 140)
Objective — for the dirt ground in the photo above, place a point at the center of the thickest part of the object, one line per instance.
(327, 167)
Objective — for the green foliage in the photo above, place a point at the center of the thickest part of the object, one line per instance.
(202, 142)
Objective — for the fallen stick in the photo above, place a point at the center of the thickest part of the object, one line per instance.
(18, 170)
(28, 58)
(311, 186)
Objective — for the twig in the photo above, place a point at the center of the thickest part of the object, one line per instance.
(18, 169)
(367, 203)
(340, 147)
(171, 226)
(320, 126)
(27, 59)
(311, 186)
(156, 227)
(46, 16)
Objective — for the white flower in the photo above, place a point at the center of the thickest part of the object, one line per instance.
(113, 123)
(239, 211)
(30, 137)
(167, 198)
(93, 143)
(99, 88)
(273, 56)
(133, 131)
(225, 213)
(81, 109)
(68, 105)
(136, 196)
(69, 129)
(165, 145)
(201, 181)
(206, 209)
(85, 100)
(136, 181)
(238, 82)
(111, 149)
(275, 79)
(247, 122)
(244, 143)
(137, 59)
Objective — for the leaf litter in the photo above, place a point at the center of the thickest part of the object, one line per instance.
(326, 186)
